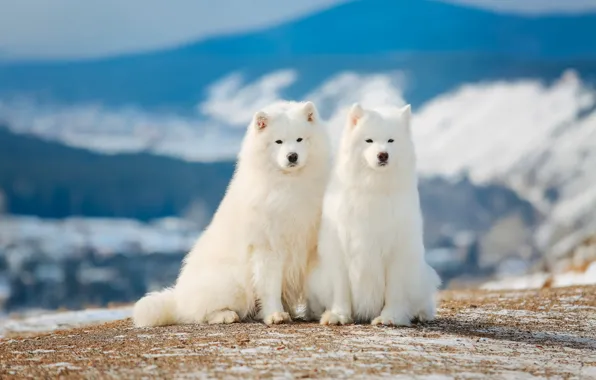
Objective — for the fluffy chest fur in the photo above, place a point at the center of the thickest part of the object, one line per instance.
(285, 216)
(369, 225)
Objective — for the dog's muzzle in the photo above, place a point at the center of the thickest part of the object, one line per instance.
(383, 158)
(292, 159)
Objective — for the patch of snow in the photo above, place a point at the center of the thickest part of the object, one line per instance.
(61, 365)
(588, 372)
(62, 320)
(241, 369)
(577, 278)
(530, 281)
(23, 236)
(537, 280)
(151, 356)
(568, 243)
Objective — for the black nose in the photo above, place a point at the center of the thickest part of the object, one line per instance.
(383, 156)
(293, 157)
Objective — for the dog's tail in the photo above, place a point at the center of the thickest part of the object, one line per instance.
(436, 279)
(155, 309)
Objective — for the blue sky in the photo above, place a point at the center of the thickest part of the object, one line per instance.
(44, 29)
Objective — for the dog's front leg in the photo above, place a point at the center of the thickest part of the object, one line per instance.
(340, 312)
(341, 305)
(395, 312)
(268, 280)
(403, 277)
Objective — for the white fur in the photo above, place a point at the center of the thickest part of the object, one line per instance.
(263, 236)
(371, 253)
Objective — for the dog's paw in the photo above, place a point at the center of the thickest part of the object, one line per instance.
(223, 317)
(426, 316)
(277, 318)
(331, 318)
(391, 320)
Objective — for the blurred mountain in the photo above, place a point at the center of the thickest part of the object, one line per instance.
(438, 45)
(537, 139)
(386, 26)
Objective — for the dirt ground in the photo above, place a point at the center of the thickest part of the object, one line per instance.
(548, 333)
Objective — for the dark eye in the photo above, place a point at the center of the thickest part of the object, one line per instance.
(390, 140)
(279, 142)
(299, 139)
(369, 141)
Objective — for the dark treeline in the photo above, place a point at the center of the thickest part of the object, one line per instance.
(51, 180)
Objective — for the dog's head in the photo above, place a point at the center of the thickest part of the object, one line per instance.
(380, 139)
(287, 135)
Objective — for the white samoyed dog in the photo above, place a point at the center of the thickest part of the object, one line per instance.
(371, 264)
(253, 259)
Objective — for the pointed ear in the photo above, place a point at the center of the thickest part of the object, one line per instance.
(406, 113)
(260, 120)
(310, 110)
(355, 114)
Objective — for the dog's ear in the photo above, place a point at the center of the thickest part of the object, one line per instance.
(406, 113)
(310, 110)
(406, 116)
(260, 120)
(355, 114)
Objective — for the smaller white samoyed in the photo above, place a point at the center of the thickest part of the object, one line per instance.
(371, 264)
(262, 239)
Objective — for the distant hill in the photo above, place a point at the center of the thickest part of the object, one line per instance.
(389, 26)
(439, 46)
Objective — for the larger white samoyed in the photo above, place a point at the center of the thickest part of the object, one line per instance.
(371, 253)
(253, 259)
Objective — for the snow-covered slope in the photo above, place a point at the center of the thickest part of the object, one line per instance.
(538, 139)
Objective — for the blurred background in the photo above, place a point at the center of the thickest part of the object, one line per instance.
(120, 122)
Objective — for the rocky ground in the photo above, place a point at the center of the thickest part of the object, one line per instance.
(549, 333)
